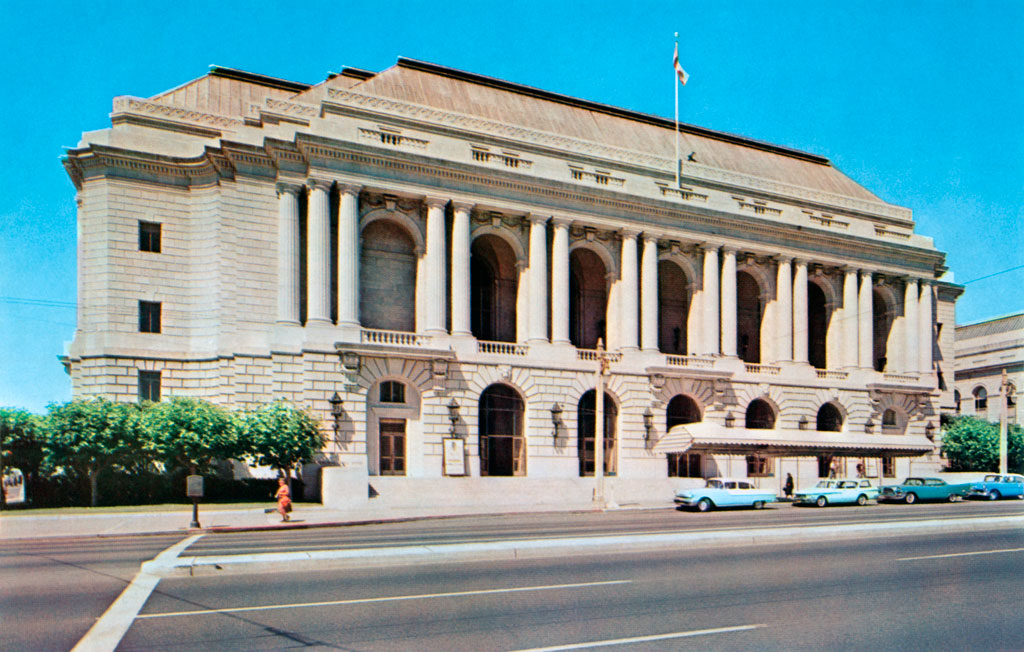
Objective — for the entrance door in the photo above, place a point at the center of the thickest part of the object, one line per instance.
(392, 446)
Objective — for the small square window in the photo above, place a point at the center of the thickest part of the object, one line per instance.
(149, 386)
(392, 392)
(889, 466)
(149, 236)
(149, 316)
(759, 466)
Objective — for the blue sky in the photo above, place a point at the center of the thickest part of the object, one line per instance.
(920, 101)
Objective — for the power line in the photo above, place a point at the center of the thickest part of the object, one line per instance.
(45, 303)
(1004, 271)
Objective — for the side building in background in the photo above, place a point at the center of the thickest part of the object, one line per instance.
(983, 352)
(428, 258)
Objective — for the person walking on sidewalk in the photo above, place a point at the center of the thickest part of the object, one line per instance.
(788, 487)
(284, 499)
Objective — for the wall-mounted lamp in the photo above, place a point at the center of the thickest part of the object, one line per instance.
(336, 412)
(803, 423)
(929, 430)
(729, 420)
(648, 424)
(556, 418)
(453, 413)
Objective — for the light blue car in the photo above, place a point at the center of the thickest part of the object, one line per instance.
(994, 487)
(837, 492)
(724, 492)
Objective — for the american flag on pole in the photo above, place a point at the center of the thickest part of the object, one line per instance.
(683, 77)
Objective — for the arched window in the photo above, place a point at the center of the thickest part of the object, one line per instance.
(502, 445)
(673, 308)
(585, 414)
(760, 415)
(882, 316)
(1011, 395)
(748, 318)
(681, 410)
(830, 419)
(817, 325)
(493, 289)
(956, 399)
(588, 298)
(980, 399)
(387, 277)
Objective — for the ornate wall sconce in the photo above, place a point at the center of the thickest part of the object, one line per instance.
(648, 424)
(336, 413)
(729, 419)
(556, 418)
(453, 414)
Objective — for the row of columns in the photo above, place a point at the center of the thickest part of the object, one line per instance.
(637, 296)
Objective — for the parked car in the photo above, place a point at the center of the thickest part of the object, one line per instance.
(915, 489)
(994, 487)
(724, 492)
(837, 492)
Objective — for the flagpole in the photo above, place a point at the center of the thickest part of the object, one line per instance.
(675, 84)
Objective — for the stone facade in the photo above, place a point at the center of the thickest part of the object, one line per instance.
(984, 351)
(373, 239)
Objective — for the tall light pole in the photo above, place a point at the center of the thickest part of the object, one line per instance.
(1002, 423)
(602, 369)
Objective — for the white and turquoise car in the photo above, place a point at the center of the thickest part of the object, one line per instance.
(837, 492)
(995, 486)
(724, 492)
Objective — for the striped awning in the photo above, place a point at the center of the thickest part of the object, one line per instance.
(711, 437)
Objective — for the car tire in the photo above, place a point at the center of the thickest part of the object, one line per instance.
(703, 505)
(821, 502)
(862, 500)
(759, 504)
(910, 499)
(953, 498)
(994, 495)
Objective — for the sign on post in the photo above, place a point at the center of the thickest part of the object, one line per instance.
(194, 486)
(454, 456)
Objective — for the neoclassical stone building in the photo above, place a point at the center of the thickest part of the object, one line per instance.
(428, 258)
(984, 352)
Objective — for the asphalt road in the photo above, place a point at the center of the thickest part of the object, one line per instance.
(875, 594)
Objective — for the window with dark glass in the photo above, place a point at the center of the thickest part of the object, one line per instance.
(684, 465)
(149, 386)
(889, 417)
(980, 399)
(889, 466)
(149, 236)
(760, 415)
(830, 419)
(759, 466)
(149, 316)
(392, 446)
(392, 391)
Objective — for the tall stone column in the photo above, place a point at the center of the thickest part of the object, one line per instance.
(560, 282)
(460, 269)
(288, 253)
(865, 322)
(629, 316)
(910, 326)
(800, 325)
(850, 348)
(926, 329)
(538, 314)
(348, 256)
(318, 258)
(728, 301)
(435, 304)
(712, 328)
(784, 295)
(649, 294)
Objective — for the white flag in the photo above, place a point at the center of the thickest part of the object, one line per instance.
(683, 77)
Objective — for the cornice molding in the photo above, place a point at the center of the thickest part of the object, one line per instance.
(128, 104)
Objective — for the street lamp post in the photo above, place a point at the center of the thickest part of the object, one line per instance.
(1003, 387)
(602, 369)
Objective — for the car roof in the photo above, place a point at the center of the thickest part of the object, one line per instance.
(724, 479)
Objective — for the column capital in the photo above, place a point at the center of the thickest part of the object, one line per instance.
(849, 269)
(534, 218)
(910, 280)
(782, 258)
(652, 236)
(350, 189)
(464, 206)
(729, 249)
(317, 183)
(435, 202)
(285, 187)
(801, 262)
(924, 281)
(866, 273)
(561, 222)
(708, 246)
(629, 233)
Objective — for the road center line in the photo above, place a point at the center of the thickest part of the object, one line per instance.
(962, 554)
(642, 639)
(396, 598)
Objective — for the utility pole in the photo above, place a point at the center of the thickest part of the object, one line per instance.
(1003, 387)
(602, 369)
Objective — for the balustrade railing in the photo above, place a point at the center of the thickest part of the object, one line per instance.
(833, 375)
(501, 348)
(391, 338)
(689, 361)
(902, 378)
(591, 355)
(764, 369)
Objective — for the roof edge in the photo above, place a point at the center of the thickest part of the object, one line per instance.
(991, 320)
(256, 78)
(501, 84)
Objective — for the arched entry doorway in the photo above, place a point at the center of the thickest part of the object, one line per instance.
(681, 410)
(760, 415)
(387, 277)
(749, 312)
(585, 414)
(830, 419)
(817, 326)
(502, 445)
(588, 298)
(493, 288)
(673, 308)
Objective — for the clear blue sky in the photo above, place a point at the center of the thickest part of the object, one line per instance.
(920, 101)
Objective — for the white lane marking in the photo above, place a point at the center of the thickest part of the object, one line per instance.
(962, 554)
(107, 632)
(643, 639)
(396, 598)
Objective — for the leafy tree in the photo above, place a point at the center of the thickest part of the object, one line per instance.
(21, 444)
(280, 435)
(90, 436)
(971, 444)
(191, 433)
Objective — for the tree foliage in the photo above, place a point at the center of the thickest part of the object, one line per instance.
(21, 440)
(90, 436)
(971, 444)
(280, 435)
(191, 433)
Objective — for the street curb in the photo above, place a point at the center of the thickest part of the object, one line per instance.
(539, 548)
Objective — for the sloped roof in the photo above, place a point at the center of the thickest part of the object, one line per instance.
(991, 327)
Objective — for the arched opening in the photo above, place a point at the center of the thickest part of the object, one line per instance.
(980, 400)
(889, 418)
(830, 419)
(588, 298)
(493, 288)
(586, 419)
(882, 319)
(1011, 403)
(681, 410)
(818, 317)
(673, 308)
(502, 445)
(956, 399)
(748, 318)
(760, 415)
(387, 277)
